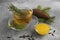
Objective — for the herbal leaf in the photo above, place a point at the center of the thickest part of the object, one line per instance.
(15, 9)
(46, 9)
(39, 7)
(53, 17)
(41, 20)
(49, 21)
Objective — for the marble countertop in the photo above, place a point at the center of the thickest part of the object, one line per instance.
(5, 15)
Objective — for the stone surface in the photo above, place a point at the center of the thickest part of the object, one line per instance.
(5, 15)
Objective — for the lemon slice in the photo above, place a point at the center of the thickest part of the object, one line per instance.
(42, 28)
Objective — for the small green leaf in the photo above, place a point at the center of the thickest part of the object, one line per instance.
(49, 21)
(53, 17)
(46, 9)
(39, 7)
(41, 20)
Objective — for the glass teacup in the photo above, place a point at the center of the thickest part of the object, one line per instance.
(20, 19)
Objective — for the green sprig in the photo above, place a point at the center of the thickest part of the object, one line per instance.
(39, 7)
(15, 9)
(47, 9)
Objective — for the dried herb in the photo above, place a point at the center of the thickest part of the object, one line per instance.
(8, 37)
(27, 36)
(52, 34)
(54, 31)
(22, 36)
(30, 37)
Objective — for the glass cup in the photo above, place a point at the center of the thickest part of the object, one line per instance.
(20, 20)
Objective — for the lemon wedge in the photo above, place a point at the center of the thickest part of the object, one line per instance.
(42, 28)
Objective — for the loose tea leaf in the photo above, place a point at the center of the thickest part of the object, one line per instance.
(54, 31)
(52, 34)
(8, 37)
(29, 38)
(22, 36)
(49, 33)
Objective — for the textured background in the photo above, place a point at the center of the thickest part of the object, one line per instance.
(5, 15)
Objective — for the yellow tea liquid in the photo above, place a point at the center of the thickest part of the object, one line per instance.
(23, 19)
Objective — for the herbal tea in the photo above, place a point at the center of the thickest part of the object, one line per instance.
(21, 17)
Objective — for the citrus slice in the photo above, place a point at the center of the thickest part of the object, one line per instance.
(42, 28)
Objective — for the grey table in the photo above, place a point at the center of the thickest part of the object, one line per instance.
(5, 15)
